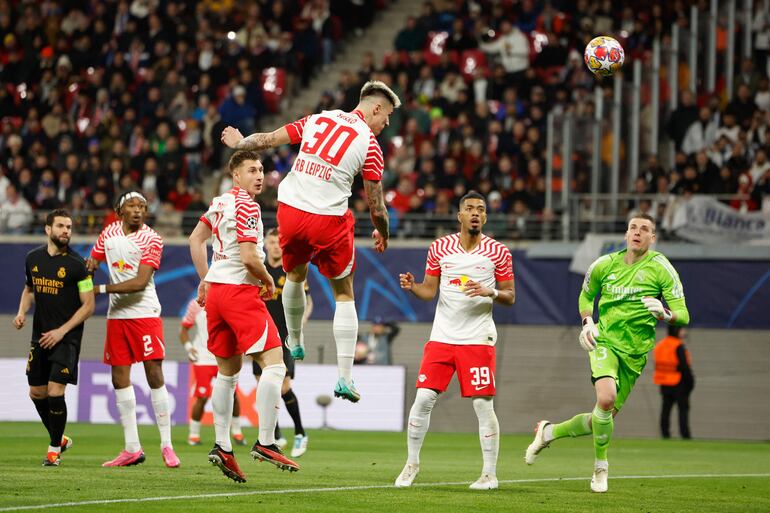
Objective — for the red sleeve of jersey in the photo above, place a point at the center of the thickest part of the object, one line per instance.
(152, 252)
(247, 216)
(374, 163)
(193, 308)
(503, 264)
(433, 263)
(97, 252)
(295, 130)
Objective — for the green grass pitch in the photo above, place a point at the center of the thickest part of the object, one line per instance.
(353, 471)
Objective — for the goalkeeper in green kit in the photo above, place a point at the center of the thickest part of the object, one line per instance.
(630, 283)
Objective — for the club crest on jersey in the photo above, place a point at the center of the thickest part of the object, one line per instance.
(62, 273)
(251, 223)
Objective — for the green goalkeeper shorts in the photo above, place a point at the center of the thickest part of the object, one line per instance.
(624, 368)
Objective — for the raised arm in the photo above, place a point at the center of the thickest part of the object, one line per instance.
(232, 138)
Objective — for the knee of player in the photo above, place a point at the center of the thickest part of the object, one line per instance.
(37, 393)
(606, 401)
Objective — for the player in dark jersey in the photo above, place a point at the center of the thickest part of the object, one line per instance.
(58, 282)
(275, 307)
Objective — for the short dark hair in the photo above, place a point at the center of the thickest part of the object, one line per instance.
(472, 195)
(646, 217)
(674, 331)
(239, 156)
(58, 212)
(273, 232)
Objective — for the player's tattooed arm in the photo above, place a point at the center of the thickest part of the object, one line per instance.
(233, 138)
(377, 210)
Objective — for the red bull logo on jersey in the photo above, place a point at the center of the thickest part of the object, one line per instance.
(122, 265)
(458, 282)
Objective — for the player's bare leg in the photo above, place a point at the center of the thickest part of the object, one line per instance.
(125, 399)
(489, 437)
(345, 327)
(268, 395)
(222, 397)
(294, 304)
(417, 427)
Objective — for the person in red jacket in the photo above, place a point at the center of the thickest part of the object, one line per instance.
(674, 375)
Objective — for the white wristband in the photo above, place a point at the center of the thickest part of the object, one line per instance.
(102, 289)
(495, 293)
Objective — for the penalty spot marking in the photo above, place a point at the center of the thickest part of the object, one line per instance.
(352, 488)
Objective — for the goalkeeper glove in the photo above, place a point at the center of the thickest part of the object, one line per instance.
(656, 309)
(588, 335)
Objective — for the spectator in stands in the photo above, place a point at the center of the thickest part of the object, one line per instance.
(15, 212)
(380, 341)
(742, 107)
(682, 118)
(701, 134)
(411, 38)
(512, 49)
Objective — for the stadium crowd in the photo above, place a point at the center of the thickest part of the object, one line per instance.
(102, 97)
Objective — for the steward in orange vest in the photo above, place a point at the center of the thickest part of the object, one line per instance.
(674, 375)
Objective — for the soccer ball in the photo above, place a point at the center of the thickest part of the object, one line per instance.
(604, 56)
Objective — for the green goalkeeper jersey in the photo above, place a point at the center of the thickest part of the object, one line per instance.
(624, 322)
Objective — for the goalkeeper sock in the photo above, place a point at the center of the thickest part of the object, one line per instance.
(489, 433)
(125, 400)
(603, 425)
(345, 328)
(159, 398)
(579, 425)
(419, 421)
(293, 298)
(222, 398)
(57, 415)
(41, 405)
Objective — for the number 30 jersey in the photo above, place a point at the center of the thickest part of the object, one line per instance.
(233, 217)
(335, 147)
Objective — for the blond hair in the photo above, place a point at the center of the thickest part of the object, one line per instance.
(376, 87)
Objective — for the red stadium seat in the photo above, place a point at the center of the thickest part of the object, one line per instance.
(470, 60)
(273, 88)
(434, 47)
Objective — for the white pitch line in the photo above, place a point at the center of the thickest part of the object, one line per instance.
(354, 488)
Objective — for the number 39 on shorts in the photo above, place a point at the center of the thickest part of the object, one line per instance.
(480, 376)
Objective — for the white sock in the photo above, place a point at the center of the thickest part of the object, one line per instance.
(195, 428)
(489, 433)
(419, 420)
(548, 433)
(126, 402)
(162, 418)
(222, 404)
(345, 327)
(57, 450)
(294, 308)
(235, 426)
(268, 396)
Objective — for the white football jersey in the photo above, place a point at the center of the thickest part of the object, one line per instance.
(123, 254)
(461, 319)
(195, 320)
(336, 146)
(233, 217)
